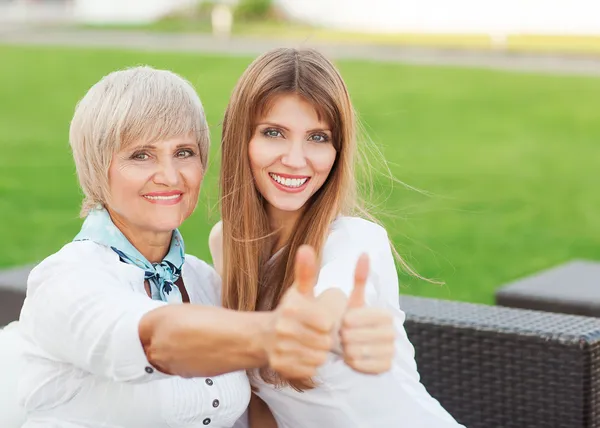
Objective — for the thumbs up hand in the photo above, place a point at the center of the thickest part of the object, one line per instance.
(300, 336)
(367, 334)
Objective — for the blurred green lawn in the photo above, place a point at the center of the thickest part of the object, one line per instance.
(564, 44)
(510, 161)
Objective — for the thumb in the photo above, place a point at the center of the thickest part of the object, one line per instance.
(361, 273)
(305, 270)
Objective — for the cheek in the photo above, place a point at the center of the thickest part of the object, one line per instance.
(323, 160)
(194, 174)
(261, 154)
(125, 180)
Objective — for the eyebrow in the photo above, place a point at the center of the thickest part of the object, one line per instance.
(287, 129)
(153, 147)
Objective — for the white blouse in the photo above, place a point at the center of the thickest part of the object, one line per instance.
(345, 398)
(84, 365)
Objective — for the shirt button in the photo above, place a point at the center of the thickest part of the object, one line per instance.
(216, 403)
(209, 382)
(149, 370)
(206, 421)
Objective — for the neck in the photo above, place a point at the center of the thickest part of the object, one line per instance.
(153, 245)
(282, 222)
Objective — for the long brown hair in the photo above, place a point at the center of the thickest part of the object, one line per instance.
(247, 239)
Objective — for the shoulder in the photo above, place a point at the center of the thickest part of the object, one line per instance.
(79, 262)
(215, 238)
(202, 281)
(199, 268)
(358, 234)
(349, 238)
(79, 255)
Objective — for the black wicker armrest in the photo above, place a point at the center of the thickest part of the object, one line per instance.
(495, 367)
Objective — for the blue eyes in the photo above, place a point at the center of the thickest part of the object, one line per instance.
(273, 133)
(318, 137)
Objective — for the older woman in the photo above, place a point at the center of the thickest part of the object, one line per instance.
(105, 336)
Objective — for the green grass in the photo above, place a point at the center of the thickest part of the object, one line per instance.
(510, 159)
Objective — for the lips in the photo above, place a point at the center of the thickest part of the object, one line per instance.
(164, 198)
(289, 183)
(292, 181)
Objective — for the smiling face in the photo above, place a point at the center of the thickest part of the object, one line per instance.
(154, 187)
(291, 155)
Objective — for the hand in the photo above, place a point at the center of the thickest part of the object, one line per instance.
(367, 334)
(301, 333)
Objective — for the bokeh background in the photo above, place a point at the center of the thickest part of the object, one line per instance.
(500, 167)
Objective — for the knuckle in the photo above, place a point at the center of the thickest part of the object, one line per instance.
(388, 318)
(351, 319)
(321, 358)
(346, 335)
(327, 342)
(307, 372)
(351, 352)
(281, 329)
(390, 334)
(290, 310)
(354, 363)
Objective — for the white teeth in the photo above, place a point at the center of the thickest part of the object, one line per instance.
(288, 182)
(162, 198)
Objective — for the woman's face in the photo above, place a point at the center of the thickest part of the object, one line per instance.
(291, 154)
(155, 187)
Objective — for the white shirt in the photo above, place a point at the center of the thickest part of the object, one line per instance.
(84, 365)
(345, 398)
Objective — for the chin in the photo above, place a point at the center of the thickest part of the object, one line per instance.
(289, 207)
(164, 224)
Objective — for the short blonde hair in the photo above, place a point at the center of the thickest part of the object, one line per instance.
(126, 106)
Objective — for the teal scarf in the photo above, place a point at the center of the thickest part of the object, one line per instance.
(99, 228)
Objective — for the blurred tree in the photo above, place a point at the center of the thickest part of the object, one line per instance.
(254, 9)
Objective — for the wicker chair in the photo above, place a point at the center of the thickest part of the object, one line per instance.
(495, 367)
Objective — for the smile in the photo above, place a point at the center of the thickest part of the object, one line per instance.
(163, 198)
(292, 183)
(169, 198)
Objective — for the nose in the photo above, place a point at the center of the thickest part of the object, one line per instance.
(167, 173)
(294, 157)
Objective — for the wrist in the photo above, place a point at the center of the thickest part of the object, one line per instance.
(260, 334)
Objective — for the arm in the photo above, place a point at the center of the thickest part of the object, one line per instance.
(174, 336)
(88, 316)
(90, 319)
(215, 244)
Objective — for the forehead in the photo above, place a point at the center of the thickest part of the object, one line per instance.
(164, 143)
(293, 110)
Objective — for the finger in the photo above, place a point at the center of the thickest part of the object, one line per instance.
(290, 330)
(310, 313)
(367, 317)
(295, 353)
(369, 351)
(373, 366)
(290, 366)
(305, 270)
(291, 370)
(361, 273)
(382, 335)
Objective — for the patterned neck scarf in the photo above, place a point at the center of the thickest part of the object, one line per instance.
(99, 228)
